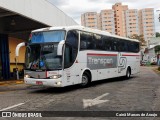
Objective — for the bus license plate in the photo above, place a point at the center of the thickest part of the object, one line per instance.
(39, 82)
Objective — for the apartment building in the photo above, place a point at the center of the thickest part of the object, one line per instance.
(146, 23)
(119, 15)
(89, 19)
(122, 21)
(107, 20)
(132, 22)
(99, 21)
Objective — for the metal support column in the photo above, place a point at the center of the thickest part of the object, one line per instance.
(4, 52)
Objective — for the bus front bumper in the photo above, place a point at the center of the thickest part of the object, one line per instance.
(44, 82)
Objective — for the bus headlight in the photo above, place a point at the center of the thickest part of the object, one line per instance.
(59, 83)
(27, 76)
(55, 76)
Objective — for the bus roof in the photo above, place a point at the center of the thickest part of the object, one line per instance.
(82, 28)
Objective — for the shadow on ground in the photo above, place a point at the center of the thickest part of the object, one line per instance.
(52, 90)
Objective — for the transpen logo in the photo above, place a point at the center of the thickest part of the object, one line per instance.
(103, 61)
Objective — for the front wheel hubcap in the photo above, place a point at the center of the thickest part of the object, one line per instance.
(84, 80)
(128, 74)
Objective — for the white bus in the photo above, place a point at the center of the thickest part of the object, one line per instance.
(63, 56)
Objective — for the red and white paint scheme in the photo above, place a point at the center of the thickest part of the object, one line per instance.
(63, 56)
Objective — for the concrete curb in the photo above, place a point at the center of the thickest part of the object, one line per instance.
(156, 71)
(11, 82)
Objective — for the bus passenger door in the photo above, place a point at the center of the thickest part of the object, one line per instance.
(71, 73)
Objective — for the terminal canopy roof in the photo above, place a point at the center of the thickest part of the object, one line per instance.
(19, 17)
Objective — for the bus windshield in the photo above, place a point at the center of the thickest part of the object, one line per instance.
(42, 57)
(47, 36)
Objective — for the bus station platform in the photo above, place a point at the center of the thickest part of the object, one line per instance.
(11, 82)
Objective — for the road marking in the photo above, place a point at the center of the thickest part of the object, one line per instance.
(95, 101)
(4, 109)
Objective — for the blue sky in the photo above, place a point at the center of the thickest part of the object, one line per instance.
(74, 8)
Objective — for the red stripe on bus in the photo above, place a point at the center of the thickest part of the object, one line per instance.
(129, 55)
(94, 54)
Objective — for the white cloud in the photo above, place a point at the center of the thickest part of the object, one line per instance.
(74, 8)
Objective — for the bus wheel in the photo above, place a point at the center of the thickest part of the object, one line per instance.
(128, 73)
(85, 80)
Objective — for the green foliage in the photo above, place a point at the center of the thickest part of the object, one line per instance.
(159, 68)
(157, 34)
(157, 49)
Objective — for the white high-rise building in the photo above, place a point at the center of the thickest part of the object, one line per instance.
(107, 20)
(89, 19)
(146, 24)
(122, 21)
(132, 22)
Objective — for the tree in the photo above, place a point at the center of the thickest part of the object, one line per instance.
(157, 49)
(157, 34)
(140, 38)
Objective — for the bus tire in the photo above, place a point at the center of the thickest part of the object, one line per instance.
(85, 80)
(128, 73)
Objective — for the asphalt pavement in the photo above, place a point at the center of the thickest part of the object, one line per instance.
(140, 93)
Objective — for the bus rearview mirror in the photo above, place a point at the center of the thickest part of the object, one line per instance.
(18, 47)
(60, 47)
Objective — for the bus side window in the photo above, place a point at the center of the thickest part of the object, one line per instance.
(125, 45)
(83, 43)
(121, 45)
(72, 38)
(107, 44)
(86, 41)
(131, 47)
(71, 48)
(97, 42)
(137, 47)
(114, 44)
